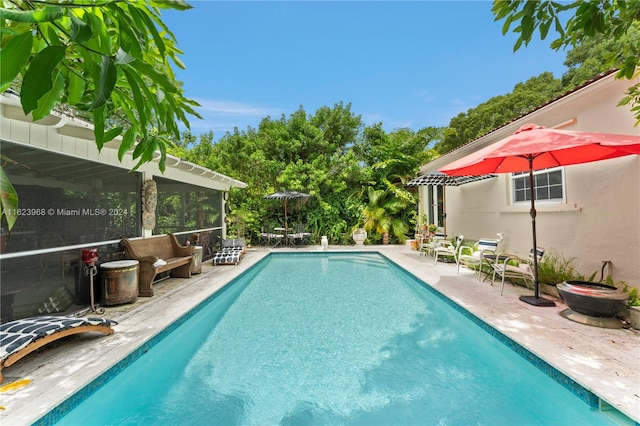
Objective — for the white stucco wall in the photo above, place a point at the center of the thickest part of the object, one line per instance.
(601, 217)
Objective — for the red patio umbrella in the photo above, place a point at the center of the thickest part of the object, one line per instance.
(534, 147)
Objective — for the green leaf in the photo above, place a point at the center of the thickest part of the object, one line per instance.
(47, 102)
(544, 29)
(123, 58)
(80, 30)
(99, 117)
(46, 14)
(14, 57)
(145, 150)
(128, 31)
(37, 79)
(8, 200)
(75, 89)
(138, 150)
(148, 23)
(150, 149)
(137, 96)
(171, 4)
(154, 75)
(111, 134)
(162, 165)
(100, 42)
(106, 83)
(127, 142)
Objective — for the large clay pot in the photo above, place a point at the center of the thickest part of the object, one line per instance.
(593, 299)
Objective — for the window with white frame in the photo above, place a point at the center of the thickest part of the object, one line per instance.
(548, 183)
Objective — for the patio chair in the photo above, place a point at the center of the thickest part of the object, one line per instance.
(514, 267)
(447, 250)
(299, 235)
(271, 237)
(428, 244)
(21, 337)
(475, 257)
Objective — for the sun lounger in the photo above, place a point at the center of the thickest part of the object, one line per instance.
(21, 337)
(230, 252)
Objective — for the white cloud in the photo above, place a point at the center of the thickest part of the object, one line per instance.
(231, 108)
(425, 95)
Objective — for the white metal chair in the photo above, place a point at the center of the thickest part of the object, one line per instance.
(429, 244)
(475, 256)
(513, 266)
(299, 234)
(446, 249)
(272, 238)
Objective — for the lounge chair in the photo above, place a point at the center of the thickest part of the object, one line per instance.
(446, 249)
(21, 337)
(230, 252)
(475, 256)
(512, 266)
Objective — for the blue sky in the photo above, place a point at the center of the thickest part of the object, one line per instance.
(405, 64)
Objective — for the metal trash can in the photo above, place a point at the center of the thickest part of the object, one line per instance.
(119, 282)
(196, 263)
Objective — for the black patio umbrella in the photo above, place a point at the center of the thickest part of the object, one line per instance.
(286, 195)
(442, 179)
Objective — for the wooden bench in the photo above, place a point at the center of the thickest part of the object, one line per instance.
(158, 254)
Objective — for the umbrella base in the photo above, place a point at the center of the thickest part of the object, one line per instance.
(537, 301)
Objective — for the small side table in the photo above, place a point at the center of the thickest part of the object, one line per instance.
(119, 282)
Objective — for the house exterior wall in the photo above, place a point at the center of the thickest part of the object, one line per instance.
(600, 218)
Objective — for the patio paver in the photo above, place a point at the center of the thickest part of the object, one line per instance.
(604, 361)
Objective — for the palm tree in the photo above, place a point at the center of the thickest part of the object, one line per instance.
(379, 214)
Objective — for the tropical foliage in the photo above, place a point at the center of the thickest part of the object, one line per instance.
(329, 154)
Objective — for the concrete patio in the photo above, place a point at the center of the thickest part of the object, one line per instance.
(605, 361)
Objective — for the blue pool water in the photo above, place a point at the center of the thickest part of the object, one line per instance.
(331, 339)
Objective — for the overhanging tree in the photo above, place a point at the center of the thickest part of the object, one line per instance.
(614, 19)
(110, 59)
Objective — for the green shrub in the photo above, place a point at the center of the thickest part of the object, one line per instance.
(554, 269)
(633, 298)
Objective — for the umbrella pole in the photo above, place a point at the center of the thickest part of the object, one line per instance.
(444, 210)
(286, 225)
(535, 300)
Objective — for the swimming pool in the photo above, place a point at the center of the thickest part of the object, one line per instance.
(331, 338)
